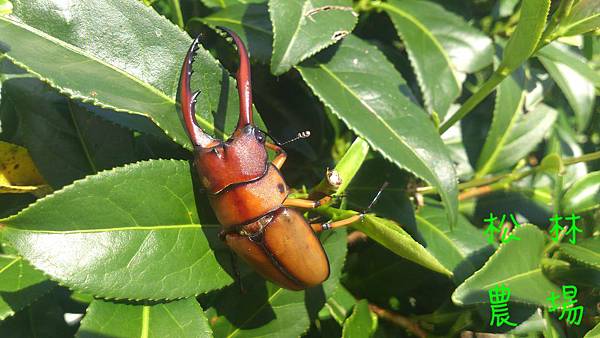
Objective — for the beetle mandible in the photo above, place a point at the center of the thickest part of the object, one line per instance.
(248, 194)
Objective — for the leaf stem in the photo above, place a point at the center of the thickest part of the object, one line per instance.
(486, 185)
(178, 14)
(399, 320)
(475, 99)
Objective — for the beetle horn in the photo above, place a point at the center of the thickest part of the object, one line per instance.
(243, 80)
(188, 100)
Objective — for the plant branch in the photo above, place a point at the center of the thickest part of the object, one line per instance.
(399, 320)
(486, 185)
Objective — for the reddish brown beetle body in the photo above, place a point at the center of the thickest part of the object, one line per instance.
(248, 193)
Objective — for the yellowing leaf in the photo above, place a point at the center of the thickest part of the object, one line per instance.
(18, 173)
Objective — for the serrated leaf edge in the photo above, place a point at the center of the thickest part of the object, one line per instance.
(411, 56)
(459, 303)
(281, 70)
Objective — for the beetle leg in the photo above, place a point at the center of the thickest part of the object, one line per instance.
(318, 227)
(280, 157)
(236, 271)
(306, 204)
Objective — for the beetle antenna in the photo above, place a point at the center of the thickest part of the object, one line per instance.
(383, 186)
(300, 135)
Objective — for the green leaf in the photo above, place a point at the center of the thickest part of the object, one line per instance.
(361, 323)
(525, 38)
(228, 3)
(505, 8)
(439, 56)
(571, 273)
(552, 329)
(576, 79)
(345, 169)
(182, 318)
(552, 164)
(134, 72)
(44, 318)
(65, 141)
(361, 87)
(461, 250)
(302, 28)
(131, 232)
(339, 304)
(251, 22)
(15, 274)
(583, 195)
(393, 237)
(510, 97)
(595, 332)
(586, 252)
(517, 265)
(525, 135)
(584, 17)
(562, 55)
(336, 247)
(20, 285)
(264, 308)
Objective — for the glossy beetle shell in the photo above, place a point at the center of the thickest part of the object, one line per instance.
(284, 250)
(241, 159)
(247, 192)
(243, 203)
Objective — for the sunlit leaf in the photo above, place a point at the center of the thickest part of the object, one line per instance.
(439, 56)
(134, 72)
(525, 38)
(65, 141)
(586, 252)
(132, 232)
(361, 323)
(462, 249)
(264, 308)
(584, 17)
(252, 24)
(510, 97)
(360, 86)
(574, 77)
(521, 273)
(182, 318)
(584, 195)
(302, 28)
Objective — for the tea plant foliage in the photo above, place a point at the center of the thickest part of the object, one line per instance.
(465, 109)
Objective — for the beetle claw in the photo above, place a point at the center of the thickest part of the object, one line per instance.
(243, 79)
(195, 96)
(188, 100)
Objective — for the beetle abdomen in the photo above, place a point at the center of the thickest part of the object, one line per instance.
(243, 203)
(283, 248)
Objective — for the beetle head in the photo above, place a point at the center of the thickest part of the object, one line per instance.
(243, 156)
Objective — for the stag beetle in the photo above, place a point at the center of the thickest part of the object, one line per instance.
(248, 194)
